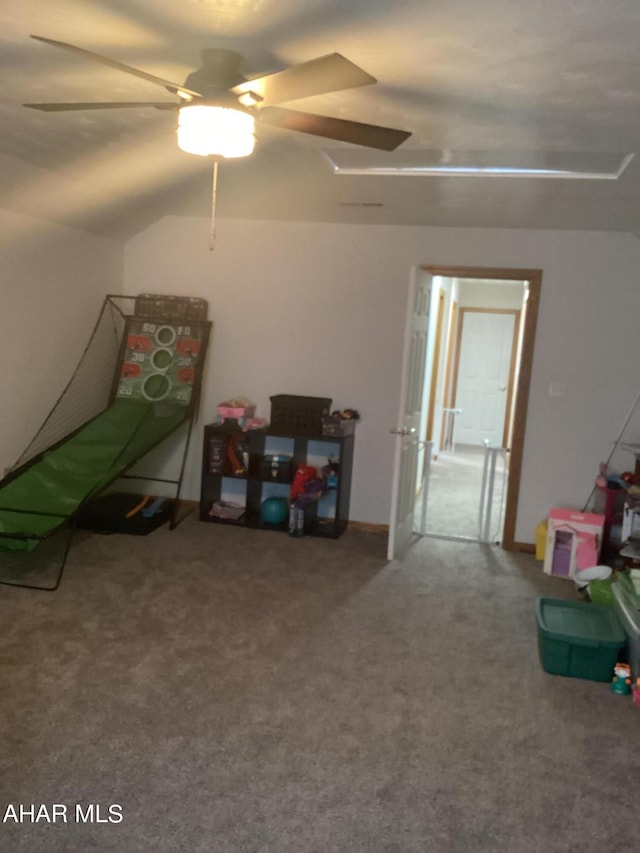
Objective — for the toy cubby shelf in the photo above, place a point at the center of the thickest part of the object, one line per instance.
(252, 481)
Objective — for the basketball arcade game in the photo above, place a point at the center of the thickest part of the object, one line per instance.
(137, 383)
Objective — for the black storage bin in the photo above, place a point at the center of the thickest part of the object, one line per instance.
(120, 512)
(294, 415)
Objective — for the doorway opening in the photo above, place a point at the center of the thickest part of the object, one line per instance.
(474, 401)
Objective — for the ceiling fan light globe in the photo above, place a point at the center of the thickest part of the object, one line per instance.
(207, 129)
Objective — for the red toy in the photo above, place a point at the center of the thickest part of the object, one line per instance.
(304, 474)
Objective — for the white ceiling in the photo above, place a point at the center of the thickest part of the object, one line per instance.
(495, 76)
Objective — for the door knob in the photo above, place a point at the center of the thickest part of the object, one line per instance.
(403, 431)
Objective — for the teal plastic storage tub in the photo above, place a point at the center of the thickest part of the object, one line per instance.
(577, 639)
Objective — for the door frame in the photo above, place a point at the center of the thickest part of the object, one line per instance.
(435, 368)
(448, 394)
(534, 279)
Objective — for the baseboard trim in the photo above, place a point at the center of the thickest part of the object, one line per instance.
(369, 526)
(524, 547)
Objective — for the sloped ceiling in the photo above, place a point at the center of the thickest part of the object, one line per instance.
(492, 76)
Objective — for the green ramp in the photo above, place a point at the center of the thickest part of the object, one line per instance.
(53, 487)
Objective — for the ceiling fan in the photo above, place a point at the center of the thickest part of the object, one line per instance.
(218, 105)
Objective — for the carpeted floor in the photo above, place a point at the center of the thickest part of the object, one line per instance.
(238, 690)
(454, 493)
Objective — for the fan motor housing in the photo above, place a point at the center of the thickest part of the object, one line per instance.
(221, 70)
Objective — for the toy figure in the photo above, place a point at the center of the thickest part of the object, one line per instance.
(621, 683)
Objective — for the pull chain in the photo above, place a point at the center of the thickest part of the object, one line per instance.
(214, 193)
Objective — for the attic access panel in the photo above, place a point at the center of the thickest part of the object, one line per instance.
(445, 162)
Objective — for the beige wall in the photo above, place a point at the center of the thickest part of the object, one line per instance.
(490, 295)
(319, 309)
(52, 283)
(312, 308)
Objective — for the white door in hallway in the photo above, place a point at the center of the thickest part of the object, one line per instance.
(483, 376)
(407, 431)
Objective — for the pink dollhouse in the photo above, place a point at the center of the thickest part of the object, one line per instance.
(573, 541)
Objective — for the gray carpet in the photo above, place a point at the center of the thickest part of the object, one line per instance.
(242, 691)
(454, 493)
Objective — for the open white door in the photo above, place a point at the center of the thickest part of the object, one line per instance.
(405, 470)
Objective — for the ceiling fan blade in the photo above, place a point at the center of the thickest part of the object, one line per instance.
(98, 105)
(329, 73)
(369, 135)
(113, 63)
